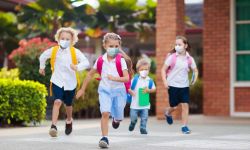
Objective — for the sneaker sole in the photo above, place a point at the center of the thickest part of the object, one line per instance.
(53, 133)
(186, 132)
(103, 144)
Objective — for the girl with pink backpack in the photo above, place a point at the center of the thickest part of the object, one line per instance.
(175, 78)
(115, 69)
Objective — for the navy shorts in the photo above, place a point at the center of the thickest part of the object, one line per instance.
(65, 96)
(178, 95)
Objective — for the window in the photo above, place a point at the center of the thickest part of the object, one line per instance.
(242, 40)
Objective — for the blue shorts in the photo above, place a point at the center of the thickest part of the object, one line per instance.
(113, 101)
(65, 96)
(178, 95)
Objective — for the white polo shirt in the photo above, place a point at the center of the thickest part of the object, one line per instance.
(109, 67)
(63, 75)
(178, 77)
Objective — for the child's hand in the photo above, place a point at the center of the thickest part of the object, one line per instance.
(73, 67)
(146, 90)
(110, 77)
(166, 84)
(42, 72)
(132, 93)
(80, 93)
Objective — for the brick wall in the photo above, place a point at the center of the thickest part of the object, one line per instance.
(216, 57)
(170, 22)
(242, 99)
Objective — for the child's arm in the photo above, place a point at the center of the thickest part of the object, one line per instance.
(147, 90)
(85, 83)
(196, 73)
(131, 92)
(42, 59)
(83, 62)
(125, 77)
(164, 75)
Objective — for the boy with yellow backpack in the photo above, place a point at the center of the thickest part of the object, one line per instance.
(65, 61)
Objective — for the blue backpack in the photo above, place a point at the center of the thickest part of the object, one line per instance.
(133, 85)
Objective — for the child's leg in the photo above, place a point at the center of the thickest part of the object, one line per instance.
(185, 112)
(133, 115)
(69, 110)
(144, 118)
(133, 118)
(169, 110)
(105, 123)
(55, 111)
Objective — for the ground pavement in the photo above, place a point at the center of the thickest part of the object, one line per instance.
(208, 133)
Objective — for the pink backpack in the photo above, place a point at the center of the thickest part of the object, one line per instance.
(118, 68)
(173, 62)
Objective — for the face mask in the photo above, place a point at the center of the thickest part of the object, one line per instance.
(64, 43)
(179, 49)
(112, 51)
(144, 73)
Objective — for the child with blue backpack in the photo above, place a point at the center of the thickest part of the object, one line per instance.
(115, 69)
(175, 78)
(141, 86)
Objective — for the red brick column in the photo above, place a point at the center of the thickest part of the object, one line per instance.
(216, 57)
(169, 23)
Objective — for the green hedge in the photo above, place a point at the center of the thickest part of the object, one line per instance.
(9, 74)
(21, 101)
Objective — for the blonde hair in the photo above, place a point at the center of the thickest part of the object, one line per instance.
(111, 36)
(70, 30)
(143, 62)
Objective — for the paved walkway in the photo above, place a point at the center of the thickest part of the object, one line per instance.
(208, 133)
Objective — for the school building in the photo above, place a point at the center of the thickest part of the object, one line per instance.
(226, 54)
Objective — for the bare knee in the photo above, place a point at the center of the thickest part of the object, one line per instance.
(57, 103)
(105, 115)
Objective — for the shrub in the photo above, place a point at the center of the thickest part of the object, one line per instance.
(196, 97)
(26, 59)
(9, 74)
(21, 101)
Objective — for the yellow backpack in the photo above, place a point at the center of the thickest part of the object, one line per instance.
(53, 59)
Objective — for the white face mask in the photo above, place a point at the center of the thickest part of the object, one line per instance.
(64, 43)
(144, 73)
(179, 49)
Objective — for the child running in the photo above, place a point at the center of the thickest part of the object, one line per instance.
(65, 61)
(114, 68)
(175, 78)
(141, 86)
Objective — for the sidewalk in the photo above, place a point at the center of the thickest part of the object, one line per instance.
(207, 133)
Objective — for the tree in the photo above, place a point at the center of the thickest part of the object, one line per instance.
(8, 32)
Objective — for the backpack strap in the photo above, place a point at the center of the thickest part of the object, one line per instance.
(52, 64)
(173, 62)
(75, 62)
(150, 84)
(134, 82)
(118, 64)
(53, 57)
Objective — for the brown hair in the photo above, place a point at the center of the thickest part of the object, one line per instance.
(114, 36)
(185, 41)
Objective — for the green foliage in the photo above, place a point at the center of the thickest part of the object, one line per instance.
(26, 59)
(8, 31)
(22, 101)
(91, 96)
(196, 97)
(9, 74)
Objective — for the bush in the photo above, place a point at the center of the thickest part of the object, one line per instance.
(26, 59)
(9, 74)
(21, 101)
(196, 97)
